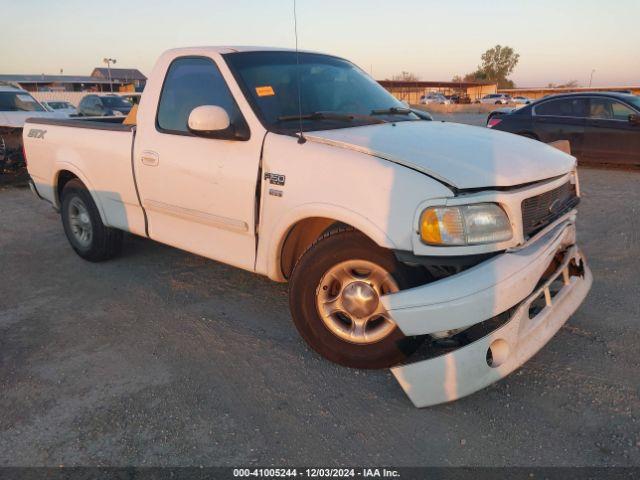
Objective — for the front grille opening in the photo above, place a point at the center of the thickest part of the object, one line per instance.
(537, 306)
(575, 270)
(432, 348)
(555, 287)
(544, 209)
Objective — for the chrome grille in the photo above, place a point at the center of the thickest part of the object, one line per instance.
(543, 209)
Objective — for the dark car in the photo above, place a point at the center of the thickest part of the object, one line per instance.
(104, 106)
(602, 127)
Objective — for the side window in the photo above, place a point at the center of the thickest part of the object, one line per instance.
(572, 107)
(607, 109)
(190, 83)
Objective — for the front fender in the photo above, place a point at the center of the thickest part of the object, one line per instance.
(272, 252)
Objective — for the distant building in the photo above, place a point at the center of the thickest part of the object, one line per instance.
(123, 76)
(57, 83)
(539, 92)
(411, 92)
(122, 79)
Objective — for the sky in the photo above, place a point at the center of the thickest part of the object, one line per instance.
(558, 40)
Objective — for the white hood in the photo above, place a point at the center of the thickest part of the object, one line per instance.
(459, 155)
(17, 119)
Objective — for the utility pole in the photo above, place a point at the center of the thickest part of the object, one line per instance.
(109, 61)
(591, 77)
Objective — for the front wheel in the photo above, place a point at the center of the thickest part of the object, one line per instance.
(88, 236)
(334, 296)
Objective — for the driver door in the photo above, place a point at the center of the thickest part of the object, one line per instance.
(198, 193)
(610, 136)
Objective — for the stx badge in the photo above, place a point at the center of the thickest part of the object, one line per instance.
(36, 133)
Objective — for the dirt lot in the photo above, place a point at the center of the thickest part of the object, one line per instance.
(165, 358)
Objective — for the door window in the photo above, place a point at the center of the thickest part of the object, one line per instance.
(192, 82)
(565, 107)
(608, 109)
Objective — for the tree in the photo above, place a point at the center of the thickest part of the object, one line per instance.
(477, 76)
(497, 64)
(406, 77)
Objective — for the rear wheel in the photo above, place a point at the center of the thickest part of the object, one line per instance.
(88, 236)
(335, 292)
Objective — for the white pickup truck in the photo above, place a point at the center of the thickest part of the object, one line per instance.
(390, 229)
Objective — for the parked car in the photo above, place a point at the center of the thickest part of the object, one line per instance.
(389, 229)
(521, 100)
(60, 106)
(16, 105)
(104, 105)
(496, 99)
(460, 99)
(434, 97)
(601, 127)
(132, 98)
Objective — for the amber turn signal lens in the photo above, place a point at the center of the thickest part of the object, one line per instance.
(430, 228)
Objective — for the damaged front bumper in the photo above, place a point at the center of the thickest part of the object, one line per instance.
(540, 286)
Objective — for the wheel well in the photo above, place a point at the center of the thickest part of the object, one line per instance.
(529, 135)
(300, 237)
(64, 176)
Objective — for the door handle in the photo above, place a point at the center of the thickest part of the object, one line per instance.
(150, 159)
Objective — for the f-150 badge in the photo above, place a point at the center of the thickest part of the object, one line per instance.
(275, 178)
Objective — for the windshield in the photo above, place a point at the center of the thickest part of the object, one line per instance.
(58, 105)
(115, 102)
(635, 101)
(19, 102)
(328, 85)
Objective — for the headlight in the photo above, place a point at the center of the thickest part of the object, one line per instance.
(465, 225)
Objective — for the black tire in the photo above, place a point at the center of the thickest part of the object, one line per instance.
(334, 247)
(104, 242)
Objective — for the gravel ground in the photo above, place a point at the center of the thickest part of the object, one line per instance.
(164, 358)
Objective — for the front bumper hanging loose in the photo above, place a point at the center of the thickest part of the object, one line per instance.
(514, 281)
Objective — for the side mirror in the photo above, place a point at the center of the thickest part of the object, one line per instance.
(210, 121)
(634, 119)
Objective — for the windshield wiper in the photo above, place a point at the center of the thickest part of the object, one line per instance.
(343, 117)
(392, 111)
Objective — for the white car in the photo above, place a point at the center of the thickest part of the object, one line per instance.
(390, 229)
(496, 99)
(16, 105)
(521, 100)
(434, 98)
(60, 106)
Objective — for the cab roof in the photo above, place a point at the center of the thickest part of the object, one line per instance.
(224, 49)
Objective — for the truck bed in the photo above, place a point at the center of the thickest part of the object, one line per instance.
(114, 124)
(99, 153)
